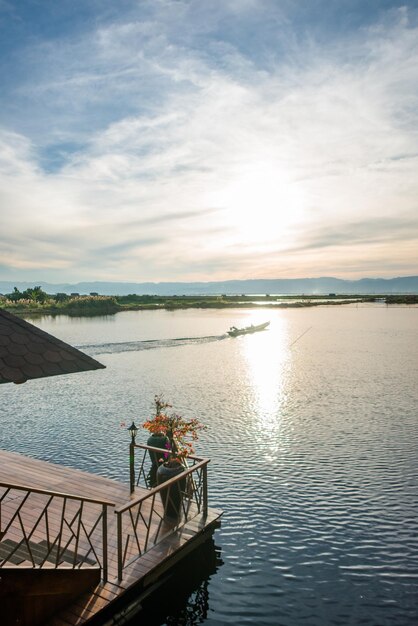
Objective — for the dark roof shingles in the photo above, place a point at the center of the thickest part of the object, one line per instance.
(28, 352)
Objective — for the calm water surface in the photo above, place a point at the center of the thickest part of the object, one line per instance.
(313, 436)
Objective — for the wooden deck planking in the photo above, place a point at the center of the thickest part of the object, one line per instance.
(39, 475)
(36, 474)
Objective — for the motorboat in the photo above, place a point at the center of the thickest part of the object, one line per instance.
(234, 331)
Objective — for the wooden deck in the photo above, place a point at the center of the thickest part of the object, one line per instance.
(175, 538)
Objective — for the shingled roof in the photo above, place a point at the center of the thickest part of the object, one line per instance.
(27, 352)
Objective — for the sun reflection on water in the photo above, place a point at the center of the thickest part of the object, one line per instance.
(267, 355)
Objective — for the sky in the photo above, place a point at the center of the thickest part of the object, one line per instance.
(194, 140)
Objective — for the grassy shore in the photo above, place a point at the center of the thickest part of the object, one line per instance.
(108, 305)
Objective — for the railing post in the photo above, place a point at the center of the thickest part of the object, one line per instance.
(104, 531)
(205, 489)
(119, 535)
(132, 465)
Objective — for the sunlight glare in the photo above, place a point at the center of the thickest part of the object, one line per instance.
(267, 355)
(261, 204)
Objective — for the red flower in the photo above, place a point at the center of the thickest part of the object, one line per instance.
(178, 430)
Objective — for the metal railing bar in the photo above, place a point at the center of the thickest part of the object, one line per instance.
(60, 531)
(157, 489)
(133, 524)
(78, 513)
(205, 489)
(119, 542)
(128, 538)
(143, 446)
(197, 495)
(138, 515)
(88, 535)
(77, 539)
(16, 513)
(59, 494)
(92, 529)
(160, 524)
(44, 513)
(146, 524)
(15, 549)
(148, 527)
(186, 507)
(1, 507)
(40, 517)
(26, 540)
(104, 542)
(50, 549)
(61, 553)
(141, 471)
(47, 528)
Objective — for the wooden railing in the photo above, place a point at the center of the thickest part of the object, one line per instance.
(146, 520)
(43, 528)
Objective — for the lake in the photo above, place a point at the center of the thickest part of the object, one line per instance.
(313, 439)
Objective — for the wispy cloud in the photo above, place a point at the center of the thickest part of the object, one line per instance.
(197, 142)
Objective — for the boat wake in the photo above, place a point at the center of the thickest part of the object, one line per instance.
(149, 344)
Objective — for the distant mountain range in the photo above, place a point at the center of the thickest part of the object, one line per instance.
(293, 286)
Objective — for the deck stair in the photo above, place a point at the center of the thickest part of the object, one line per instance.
(17, 554)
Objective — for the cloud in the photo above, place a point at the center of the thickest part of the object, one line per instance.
(368, 231)
(192, 150)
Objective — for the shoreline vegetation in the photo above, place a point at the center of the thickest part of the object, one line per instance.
(36, 301)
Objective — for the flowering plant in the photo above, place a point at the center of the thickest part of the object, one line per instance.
(181, 432)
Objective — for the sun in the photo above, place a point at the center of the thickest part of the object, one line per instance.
(261, 204)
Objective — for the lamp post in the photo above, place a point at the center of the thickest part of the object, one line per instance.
(133, 430)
